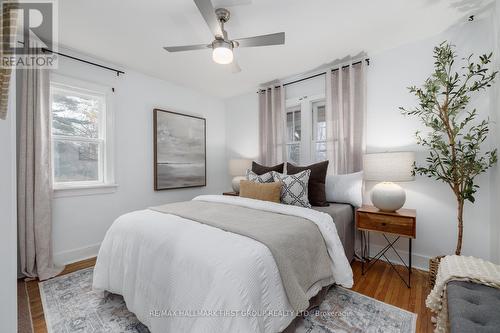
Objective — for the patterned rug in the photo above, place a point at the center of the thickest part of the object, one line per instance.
(70, 305)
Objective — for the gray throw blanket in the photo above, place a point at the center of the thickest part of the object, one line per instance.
(295, 243)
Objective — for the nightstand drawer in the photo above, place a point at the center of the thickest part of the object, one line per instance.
(398, 225)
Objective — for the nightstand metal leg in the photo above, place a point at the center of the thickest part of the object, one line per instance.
(363, 252)
(409, 262)
(370, 261)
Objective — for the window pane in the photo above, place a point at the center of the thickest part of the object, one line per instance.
(289, 126)
(76, 161)
(76, 114)
(320, 153)
(297, 126)
(293, 153)
(319, 123)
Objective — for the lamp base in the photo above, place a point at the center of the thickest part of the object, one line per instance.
(236, 183)
(388, 196)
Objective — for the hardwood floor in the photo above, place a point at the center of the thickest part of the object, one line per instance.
(381, 283)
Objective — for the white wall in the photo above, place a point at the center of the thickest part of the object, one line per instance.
(389, 73)
(495, 116)
(242, 126)
(8, 224)
(79, 223)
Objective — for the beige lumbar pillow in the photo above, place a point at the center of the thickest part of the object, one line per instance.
(260, 191)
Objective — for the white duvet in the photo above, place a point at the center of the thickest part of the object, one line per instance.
(178, 275)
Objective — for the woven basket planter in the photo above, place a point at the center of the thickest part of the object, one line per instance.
(433, 270)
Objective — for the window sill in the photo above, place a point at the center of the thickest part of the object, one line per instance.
(82, 190)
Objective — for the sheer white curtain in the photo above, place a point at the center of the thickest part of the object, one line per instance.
(271, 111)
(345, 117)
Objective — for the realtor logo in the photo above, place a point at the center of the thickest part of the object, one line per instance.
(29, 34)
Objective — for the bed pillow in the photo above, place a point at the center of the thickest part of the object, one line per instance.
(316, 189)
(264, 178)
(261, 169)
(294, 189)
(265, 191)
(346, 188)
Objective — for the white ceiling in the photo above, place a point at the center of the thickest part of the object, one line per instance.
(131, 33)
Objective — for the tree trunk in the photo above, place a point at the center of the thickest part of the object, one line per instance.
(460, 226)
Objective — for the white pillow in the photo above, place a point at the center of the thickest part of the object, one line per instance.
(346, 188)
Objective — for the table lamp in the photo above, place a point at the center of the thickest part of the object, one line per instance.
(388, 168)
(238, 169)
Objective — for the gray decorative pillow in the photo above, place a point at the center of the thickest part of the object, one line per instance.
(294, 189)
(264, 178)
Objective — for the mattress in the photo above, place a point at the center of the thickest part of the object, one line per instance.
(343, 217)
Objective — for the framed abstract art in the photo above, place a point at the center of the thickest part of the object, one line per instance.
(179, 150)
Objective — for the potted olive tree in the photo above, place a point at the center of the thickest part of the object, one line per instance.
(455, 139)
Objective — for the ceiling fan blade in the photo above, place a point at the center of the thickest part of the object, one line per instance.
(208, 12)
(264, 40)
(186, 47)
(235, 67)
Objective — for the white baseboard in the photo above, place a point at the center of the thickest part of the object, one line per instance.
(71, 256)
(418, 260)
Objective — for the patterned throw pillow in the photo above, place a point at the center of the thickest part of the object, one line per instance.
(264, 178)
(294, 189)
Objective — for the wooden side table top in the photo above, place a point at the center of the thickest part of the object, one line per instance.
(233, 194)
(401, 223)
(400, 212)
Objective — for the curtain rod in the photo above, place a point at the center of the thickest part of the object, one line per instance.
(318, 74)
(117, 71)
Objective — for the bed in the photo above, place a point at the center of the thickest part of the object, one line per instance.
(178, 274)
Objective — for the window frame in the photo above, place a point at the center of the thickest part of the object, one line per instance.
(307, 144)
(105, 140)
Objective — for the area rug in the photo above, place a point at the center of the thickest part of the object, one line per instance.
(70, 305)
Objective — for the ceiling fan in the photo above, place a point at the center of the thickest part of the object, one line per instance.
(222, 47)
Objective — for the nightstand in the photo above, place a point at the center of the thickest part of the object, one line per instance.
(233, 194)
(401, 224)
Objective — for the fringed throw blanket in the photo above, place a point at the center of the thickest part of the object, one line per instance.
(463, 269)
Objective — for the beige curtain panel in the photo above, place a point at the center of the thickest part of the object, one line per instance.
(271, 111)
(9, 20)
(345, 118)
(34, 175)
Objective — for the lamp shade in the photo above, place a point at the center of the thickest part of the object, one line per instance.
(389, 167)
(239, 167)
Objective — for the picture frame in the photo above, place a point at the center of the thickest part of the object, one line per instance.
(179, 142)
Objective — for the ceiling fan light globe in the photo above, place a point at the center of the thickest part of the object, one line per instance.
(222, 55)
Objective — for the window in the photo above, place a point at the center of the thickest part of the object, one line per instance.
(306, 130)
(293, 134)
(81, 141)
